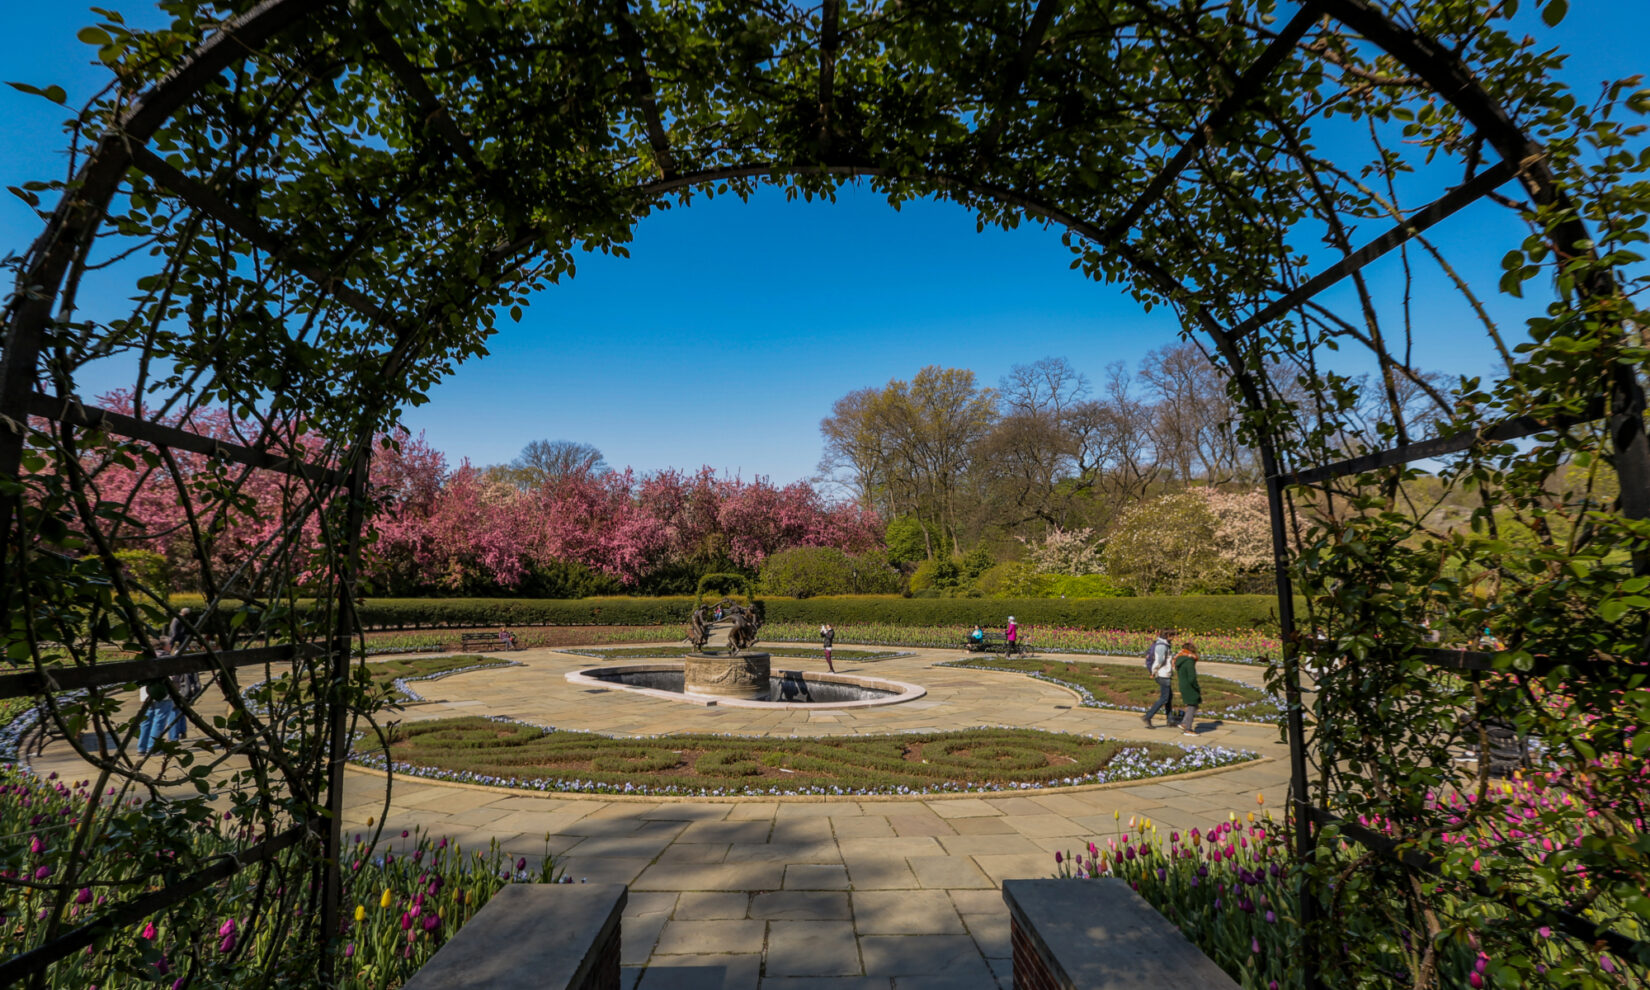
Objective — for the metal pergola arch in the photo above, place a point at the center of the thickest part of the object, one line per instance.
(125, 148)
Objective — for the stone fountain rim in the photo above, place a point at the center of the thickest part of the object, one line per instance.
(905, 691)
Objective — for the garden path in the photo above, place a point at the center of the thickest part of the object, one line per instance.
(805, 893)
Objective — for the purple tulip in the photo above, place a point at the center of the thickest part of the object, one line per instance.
(84, 897)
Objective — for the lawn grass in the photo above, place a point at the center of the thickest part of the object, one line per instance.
(386, 674)
(669, 652)
(503, 752)
(1130, 688)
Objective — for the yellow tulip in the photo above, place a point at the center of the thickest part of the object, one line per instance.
(360, 913)
(1251, 817)
(1260, 799)
(384, 901)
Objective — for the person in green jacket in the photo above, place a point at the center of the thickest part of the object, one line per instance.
(1185, 666)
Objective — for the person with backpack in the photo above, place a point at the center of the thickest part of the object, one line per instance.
(1160, 664)
(187, 687)
(1185, 665)
(827, 636)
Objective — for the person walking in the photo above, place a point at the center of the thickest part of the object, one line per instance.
(178, 632)
(1161, 667)
(1011, 634)
(1185, 665)
(156, 716)
(187, 687)
(827, 635)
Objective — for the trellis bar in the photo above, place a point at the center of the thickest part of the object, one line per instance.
(1018, 72)
(33, 682)
(1573, 924)
(205, 199)
(136, 909)
(70, 410)
(1441, 208)
(1247, 86)
(1448, 659)
(1508, 429)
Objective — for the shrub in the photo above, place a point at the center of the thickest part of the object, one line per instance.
(1086, 586)
(807, 571)
(1191, 613)
(938, 574)
(1013, 579)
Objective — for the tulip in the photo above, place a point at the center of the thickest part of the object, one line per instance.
(360, 912)
(148, 931)
(35, 845)
(84, 897)
(385, 901)
(349, 951)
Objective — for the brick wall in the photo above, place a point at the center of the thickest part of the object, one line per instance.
(1030, 972)
(605, 974)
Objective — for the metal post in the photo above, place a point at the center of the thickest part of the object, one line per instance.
(337, 712)
(1301, 802)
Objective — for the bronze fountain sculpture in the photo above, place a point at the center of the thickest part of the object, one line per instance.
(731, 627)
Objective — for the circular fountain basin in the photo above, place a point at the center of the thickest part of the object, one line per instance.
(810, 689)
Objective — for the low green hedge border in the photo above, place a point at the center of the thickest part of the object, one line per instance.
(1193, 614)
(502, 752)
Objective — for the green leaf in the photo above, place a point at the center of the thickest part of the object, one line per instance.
(94, 36)
(1554, 12)
(53, 93)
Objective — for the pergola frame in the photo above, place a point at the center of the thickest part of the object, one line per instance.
(342, 478)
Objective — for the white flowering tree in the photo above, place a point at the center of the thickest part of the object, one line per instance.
(1075, 551)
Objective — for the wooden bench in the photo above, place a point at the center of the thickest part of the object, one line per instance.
(484, 641)
(1089, 934)
(994, 642)
(534, 936)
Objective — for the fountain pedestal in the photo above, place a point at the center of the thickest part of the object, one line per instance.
(723, 676)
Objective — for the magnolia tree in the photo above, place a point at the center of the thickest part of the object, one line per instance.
(1073, 552)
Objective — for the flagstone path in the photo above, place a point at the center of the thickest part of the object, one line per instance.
(804, 893)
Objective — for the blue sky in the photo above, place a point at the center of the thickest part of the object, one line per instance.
(726, 336)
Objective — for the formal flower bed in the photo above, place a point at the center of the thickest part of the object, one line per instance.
(1231, 888)
(503, 752)
(402, 903)
(1226, 646)
(675, 653)
(1128, 687)
(1229, 646)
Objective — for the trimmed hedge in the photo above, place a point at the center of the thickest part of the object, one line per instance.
(1188, 613)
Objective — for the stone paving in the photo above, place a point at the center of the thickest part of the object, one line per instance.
(806, 893)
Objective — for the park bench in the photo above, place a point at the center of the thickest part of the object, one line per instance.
(485, 641)
(534, 936)
(994, 642)
(1089, 934)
